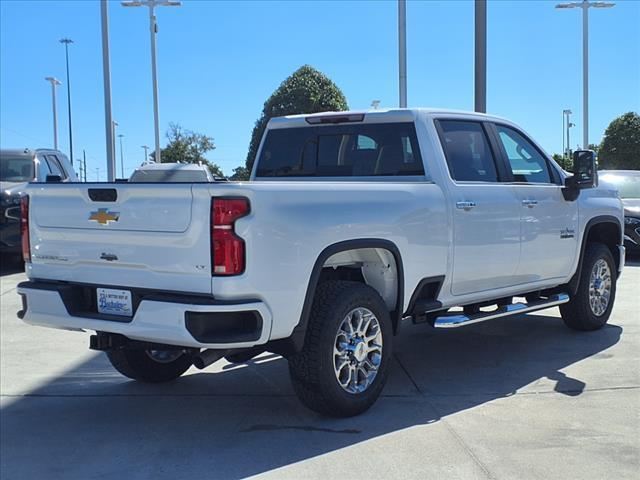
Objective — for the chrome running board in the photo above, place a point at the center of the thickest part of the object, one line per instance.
(459, 320)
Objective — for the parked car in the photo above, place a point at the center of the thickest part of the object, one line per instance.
(628, 184)
(171, 172)
(17, 168)
(353, 223)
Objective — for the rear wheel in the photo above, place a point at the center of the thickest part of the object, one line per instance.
(154, 366)
(344, 362)
(591, 306)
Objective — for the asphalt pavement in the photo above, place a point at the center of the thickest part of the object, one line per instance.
(520, 397)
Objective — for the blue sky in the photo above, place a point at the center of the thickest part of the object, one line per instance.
(219, 61)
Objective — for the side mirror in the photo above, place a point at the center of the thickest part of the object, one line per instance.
(585, 174)
(53, 178)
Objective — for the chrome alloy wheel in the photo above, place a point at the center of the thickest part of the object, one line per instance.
(164, 356)
(600, 287)
(357, 350)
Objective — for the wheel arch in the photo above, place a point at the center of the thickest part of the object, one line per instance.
(605, 229)
(297, 336)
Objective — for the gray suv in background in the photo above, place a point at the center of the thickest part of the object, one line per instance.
(17, 168)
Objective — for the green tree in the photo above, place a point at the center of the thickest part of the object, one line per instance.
(565, 163)
(240, 173)
(306, 91)
(186, 146)
(620, 147)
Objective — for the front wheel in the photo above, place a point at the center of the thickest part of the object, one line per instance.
(344, 362)
(591, 306)
(153, 366)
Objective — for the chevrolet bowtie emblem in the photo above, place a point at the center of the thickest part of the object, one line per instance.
(103, 216)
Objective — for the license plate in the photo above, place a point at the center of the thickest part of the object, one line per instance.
(114, 302)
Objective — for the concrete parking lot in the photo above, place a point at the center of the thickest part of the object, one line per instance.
(512, 398)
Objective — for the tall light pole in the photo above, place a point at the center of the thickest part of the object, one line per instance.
(480, 70)
(120, 135)
(402, 53)
(146, 150)
(54, 83)
(114, 125)
(566, 125)
(66, 42)
(153, 26)
(106, 72)
(585, 5)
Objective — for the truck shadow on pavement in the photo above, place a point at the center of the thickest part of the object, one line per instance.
(243, 420)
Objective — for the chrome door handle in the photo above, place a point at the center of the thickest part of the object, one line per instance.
(529, 203)
(465, 205)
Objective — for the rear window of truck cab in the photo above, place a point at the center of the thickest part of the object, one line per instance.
(363, 150)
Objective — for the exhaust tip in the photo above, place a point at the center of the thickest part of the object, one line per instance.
(205, 358)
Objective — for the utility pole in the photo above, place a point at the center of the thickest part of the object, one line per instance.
(146, 149)
(106, 71)
(66, 42)
(153, 27)
(402, 52)
(480, 89)
(585, 5)
(54, 83)
(84, 165)
(120, 135)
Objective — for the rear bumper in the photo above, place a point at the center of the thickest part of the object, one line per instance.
(159, 318)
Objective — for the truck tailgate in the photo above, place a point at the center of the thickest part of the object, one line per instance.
(154, 236)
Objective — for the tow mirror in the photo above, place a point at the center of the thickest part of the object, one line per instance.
(585, 174)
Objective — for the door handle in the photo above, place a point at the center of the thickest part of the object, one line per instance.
(529, 203)
(466, 206)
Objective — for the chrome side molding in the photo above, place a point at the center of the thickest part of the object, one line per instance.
(459, 320)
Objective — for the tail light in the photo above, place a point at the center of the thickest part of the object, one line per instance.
(227, 249)
(24, 228)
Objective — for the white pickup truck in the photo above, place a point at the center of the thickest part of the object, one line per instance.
(352, 222)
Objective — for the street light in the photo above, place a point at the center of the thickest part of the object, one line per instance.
(120, 135)
(585, 5)
(153, 26)
(106, 73)
(402, 53)
(66, 42)
(566, 123)
(54, 83)
(114, 125)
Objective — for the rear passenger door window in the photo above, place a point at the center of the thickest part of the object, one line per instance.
(467, 150)
(526, 162)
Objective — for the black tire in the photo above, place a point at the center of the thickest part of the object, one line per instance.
(577, 314)
(139, 365)
(312, 370)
